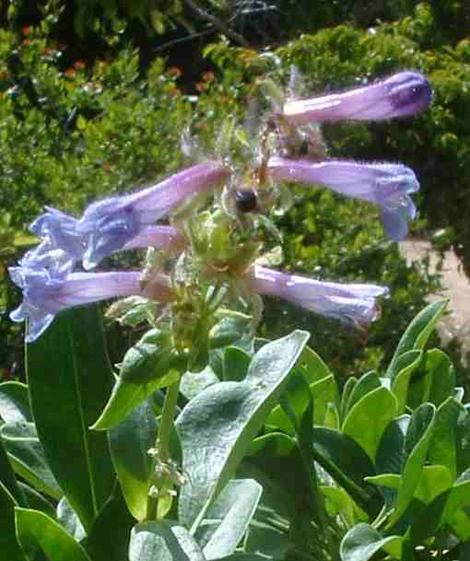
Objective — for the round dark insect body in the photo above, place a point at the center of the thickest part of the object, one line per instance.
(304, 147)
(246, 200)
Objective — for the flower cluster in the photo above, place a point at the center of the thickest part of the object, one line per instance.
(220, 244)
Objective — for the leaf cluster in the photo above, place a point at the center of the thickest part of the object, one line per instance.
(270, 458)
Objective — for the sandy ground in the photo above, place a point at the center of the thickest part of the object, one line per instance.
(455, 286)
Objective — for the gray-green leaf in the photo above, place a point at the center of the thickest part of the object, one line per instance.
(216, 427)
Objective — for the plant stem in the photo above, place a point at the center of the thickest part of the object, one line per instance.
(166, 421)
(162, 448)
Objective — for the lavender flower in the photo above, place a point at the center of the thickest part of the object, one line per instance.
(110, 224)
(60, 231)
(386, 185)
(400, 95)
(44, 294)
(161, 236)
(351, 303)
(62, 246)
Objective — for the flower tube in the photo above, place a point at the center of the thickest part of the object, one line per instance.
(350, 303)
(386, 185)
(159, 236)
(46, 294)
(403, 94)
(110, 224)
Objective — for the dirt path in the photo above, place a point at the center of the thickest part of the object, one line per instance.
(455, 286)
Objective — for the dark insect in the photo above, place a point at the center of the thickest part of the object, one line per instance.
(246, 200)
(304, 148)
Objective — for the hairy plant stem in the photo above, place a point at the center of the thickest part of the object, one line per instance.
(162, 481)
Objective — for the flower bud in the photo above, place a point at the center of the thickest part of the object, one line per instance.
(400, 95)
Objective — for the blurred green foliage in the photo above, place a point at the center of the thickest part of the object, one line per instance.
(70, 133)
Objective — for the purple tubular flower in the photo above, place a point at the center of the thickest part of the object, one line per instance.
(61, 246)
(386, 185)
(55, 261)
(44, 294)
(403, 94)
(58, 230)
(350, 303)
(162, 237)
(110, 224)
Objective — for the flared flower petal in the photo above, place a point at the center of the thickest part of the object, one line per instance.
(350, 303)
(400, 95)
(386, 185)
(110, 224)
(60, 231)
(61, 246)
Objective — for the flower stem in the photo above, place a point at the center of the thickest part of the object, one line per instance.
(162, 480)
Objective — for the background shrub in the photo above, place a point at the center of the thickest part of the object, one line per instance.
(73, 130)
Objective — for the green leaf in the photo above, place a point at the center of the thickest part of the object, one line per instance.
(363, 541)
(193, 383)
(295, 399)
(387, 480)
(443, 447)
(69, 520)
(14, 405)
(324, 392)
(299, 408)
(109, 536)
(8, 479)
(347, 390)
(418, 332)
(390, 454)
(227, 520)
(286, 501)
(313, 367)
(69, 379)
(126, 397)
(149, 359)
(460, 525)
(368, 419)
(232, 329)
(9, 547)
(347, 464)
(38, 532)
(27, 457)
(270, 458)
(246, 557)
(463, 441)
(434, 481)
(237, 410)
(163, 541)
(339, 503)
(152, 363)
(417, 441)
(236, 363)
(271, 542)
(331, 419)
(366, 384)
(458, 498)
(426, 521)
(35, 500)
(405, 365)
(442, 373)
(129, 443)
